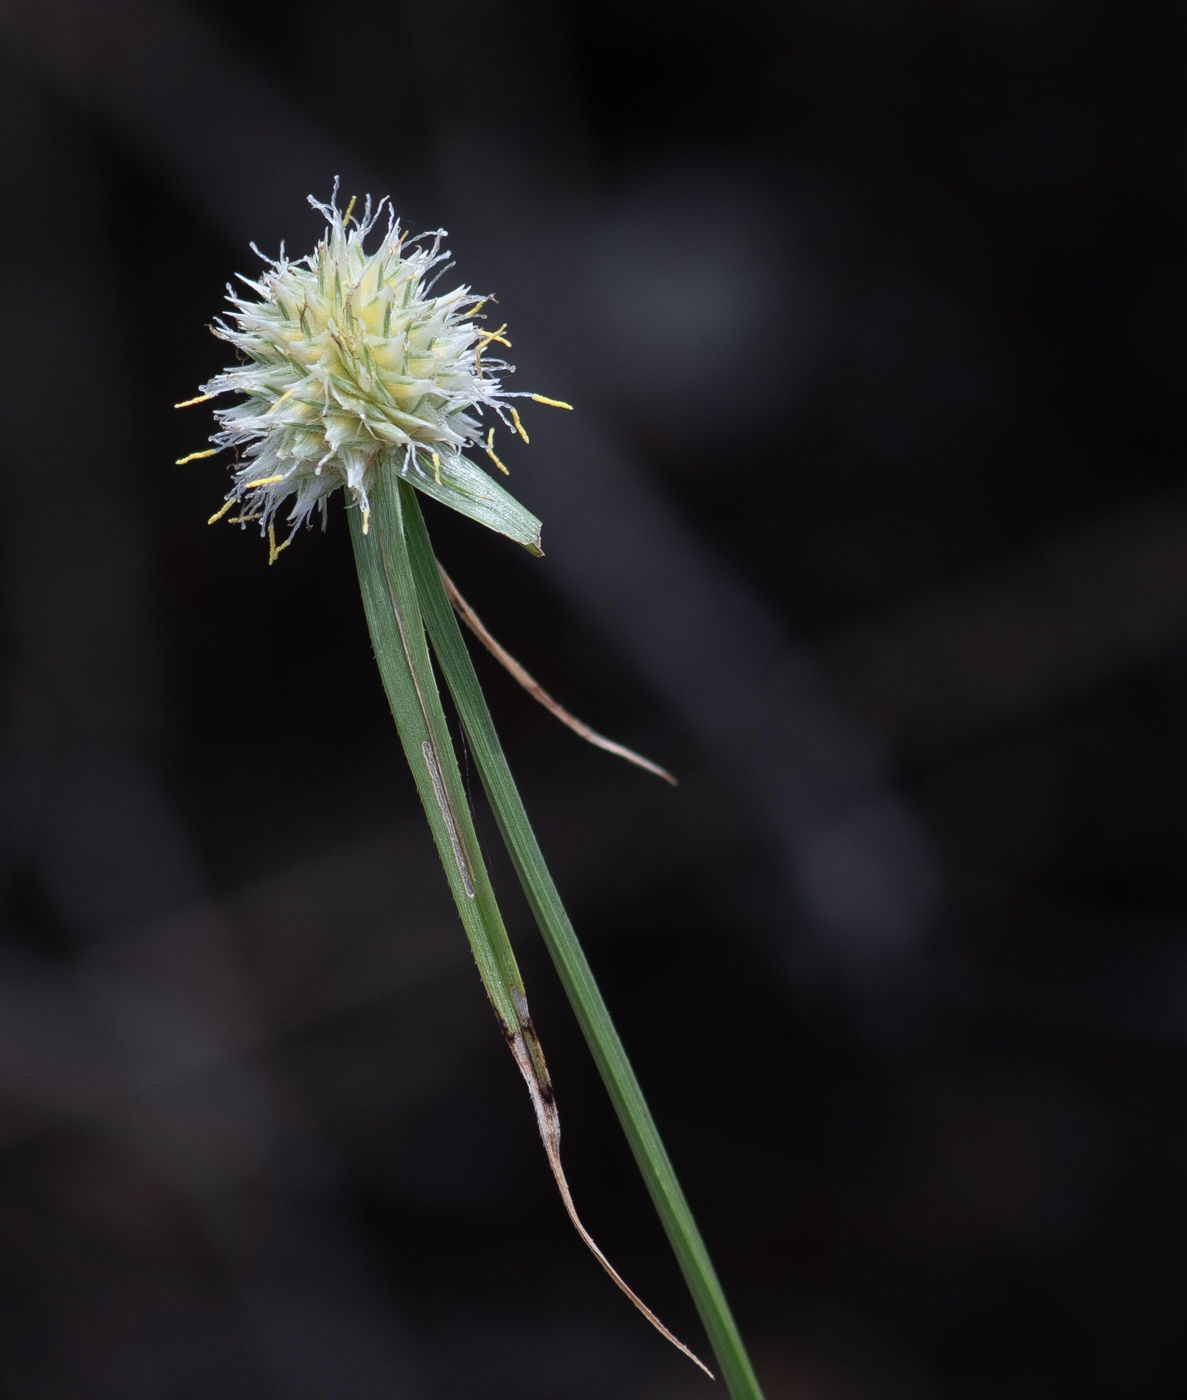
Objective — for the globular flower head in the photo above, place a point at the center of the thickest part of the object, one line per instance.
(351, 365)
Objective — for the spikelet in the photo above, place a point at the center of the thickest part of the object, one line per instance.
(351, 364)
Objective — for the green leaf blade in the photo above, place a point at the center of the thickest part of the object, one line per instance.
(573, 968)
(390, 597)
(466, 488)
(397, 634)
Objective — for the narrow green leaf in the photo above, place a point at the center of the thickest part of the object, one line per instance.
(467, 488)
(390, 600)
(572, 966)
(397, 634)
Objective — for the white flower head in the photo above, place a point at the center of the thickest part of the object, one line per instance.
(351, 365)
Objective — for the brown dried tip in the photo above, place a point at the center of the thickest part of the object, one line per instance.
(525, 1046)
(537, 691)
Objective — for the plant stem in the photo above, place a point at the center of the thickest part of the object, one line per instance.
(393, 611)
(571, 964)
(397, 634)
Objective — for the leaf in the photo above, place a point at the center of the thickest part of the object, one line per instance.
(537, 691)
(390, 599)
(467, 488)
(397, 635)
(572, 966)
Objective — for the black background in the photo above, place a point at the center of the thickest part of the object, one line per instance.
(884, 302)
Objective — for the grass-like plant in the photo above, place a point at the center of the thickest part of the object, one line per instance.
(355, 376)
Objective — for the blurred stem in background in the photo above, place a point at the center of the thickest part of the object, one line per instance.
(402, 594)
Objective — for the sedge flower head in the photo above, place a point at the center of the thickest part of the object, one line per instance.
(350, 364)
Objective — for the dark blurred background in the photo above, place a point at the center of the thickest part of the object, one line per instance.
(870, 523)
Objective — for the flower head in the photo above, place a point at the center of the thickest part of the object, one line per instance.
(351, 365)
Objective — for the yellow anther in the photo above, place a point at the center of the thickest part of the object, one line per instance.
(552, 403)
(264, 481)
(242, 519)
(195, 456)
(478, 305)
(288, 393)
(436, 467)
(487, 336)
(189, 403)
(483, 341)
(345, 220)
(519, 428)
(218, 514)
(366, 520)
(490, 452)
(274, 549)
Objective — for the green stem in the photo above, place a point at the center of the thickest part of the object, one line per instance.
(397, 634)
(571, 964)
